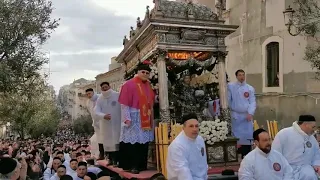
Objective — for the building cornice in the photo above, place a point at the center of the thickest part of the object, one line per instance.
(109, 73)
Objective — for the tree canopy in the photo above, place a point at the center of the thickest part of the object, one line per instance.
(83, 125)
(306, 19)
(24, 26)
(25, 101)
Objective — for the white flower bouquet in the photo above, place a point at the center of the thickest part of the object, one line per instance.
(213, 131)
(154, 72)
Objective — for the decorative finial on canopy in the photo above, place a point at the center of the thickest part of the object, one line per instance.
(139, 24)
(125, 40)
(132, 32)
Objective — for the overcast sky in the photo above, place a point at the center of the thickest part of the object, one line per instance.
(90, 33)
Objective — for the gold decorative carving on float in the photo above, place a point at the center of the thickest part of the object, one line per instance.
(200, 56)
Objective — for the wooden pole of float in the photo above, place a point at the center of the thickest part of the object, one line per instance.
(165, 147)
(157, 147)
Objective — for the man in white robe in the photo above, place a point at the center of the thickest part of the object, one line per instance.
(91, 103)
(263, 163)
(298, 145)
(187, 159)
(108, 110)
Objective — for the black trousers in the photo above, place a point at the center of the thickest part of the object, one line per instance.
(101, 151)
(113, 156)
(133, 156)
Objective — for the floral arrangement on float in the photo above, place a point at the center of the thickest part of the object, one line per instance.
(205, 78)
(213, 131)
(154, 76)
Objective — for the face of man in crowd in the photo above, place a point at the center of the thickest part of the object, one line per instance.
(74, 154)
(264, 142)
(308, 127)
(143, 75)
(241, 77)
(55, 164)
(81, 171)
(89, 94)
(187, 79)
(105, 87)
(191, 128)
(88, 156)
(79, 158)
(73, 165)
(61, 156)
(61, 171)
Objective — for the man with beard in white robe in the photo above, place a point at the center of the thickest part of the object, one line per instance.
(263, 163)
(298, 145)
(91, 103)
(108, 110)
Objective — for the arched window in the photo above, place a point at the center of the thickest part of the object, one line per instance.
(272, 64)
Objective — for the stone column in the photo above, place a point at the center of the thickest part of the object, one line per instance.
(223, 91)
(163, 86)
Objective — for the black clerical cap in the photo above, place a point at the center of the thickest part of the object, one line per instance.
(306, 118)
(144, 66)
(7, 165)
(189, 116)
(257, 132)
(82, 164)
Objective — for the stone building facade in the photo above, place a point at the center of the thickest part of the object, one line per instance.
(272, 58)
(114, 76)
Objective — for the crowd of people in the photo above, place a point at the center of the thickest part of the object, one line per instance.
(64, 156)
(123, 129)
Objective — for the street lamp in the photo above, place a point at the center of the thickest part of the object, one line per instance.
(288, 21)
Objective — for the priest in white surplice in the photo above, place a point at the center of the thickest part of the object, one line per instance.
(300, 148)
(263, 163)
(91, 103)
(187, 158)
(108, 110)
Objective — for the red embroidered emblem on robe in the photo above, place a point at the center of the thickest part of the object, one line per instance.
(276, 166)
(246, 94)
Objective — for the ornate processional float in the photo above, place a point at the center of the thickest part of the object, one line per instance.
(184, 43)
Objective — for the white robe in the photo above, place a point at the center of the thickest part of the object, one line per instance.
(95, 119)
(258, 165)
(187, 159)
(109, 129)
(94, 145)
(292, 142)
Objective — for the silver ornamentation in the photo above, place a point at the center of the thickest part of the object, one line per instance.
(211, 41)
(192, 35)
(232, 153)
(161, 37)
(215, 154)
(161, 52)
(165, 117)
(185, 10)
(221, 41)
(173, 38)
(226, 116)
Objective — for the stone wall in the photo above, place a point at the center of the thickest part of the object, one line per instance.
(286, 108)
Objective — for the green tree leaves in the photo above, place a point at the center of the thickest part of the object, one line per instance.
(25, 25)
(83, 125)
